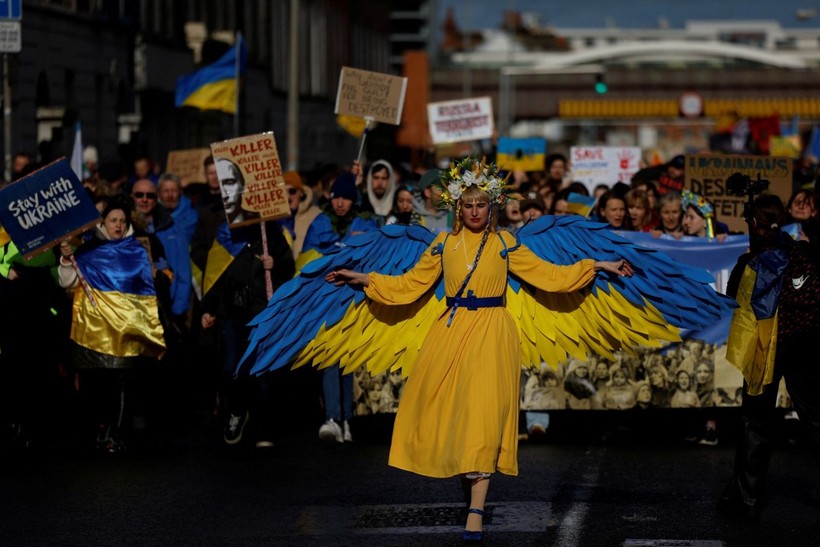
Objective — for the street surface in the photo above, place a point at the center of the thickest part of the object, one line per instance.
(595, 480)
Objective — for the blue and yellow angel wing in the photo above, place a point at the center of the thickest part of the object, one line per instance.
(614, 313)
(311, 321)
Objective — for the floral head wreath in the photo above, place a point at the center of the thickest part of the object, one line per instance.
(698, 202)
(471, 172)
(701, 204)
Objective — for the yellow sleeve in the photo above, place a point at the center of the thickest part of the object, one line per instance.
(547, 276)
(409, 287)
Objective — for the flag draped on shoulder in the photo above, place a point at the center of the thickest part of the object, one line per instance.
(124, 320)
(214, 86)
(222, 252)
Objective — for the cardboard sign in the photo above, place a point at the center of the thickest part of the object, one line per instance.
(706, 174)
(188, 165)
(46, 207)
(374, 95)
(521, 154)
(250, 179)
(462, 120)
(594, 165)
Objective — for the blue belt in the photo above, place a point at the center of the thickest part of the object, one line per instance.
(474, 302)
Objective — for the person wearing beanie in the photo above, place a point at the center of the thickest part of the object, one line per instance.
(338, 221)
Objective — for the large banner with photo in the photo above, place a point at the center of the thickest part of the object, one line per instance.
(690, 374)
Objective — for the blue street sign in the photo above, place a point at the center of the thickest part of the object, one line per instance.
(11, 9)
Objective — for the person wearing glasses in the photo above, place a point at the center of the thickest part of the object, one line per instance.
(169, 250)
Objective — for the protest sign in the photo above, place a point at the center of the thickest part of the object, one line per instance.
(188, 165)
(250, 179)
(706, 174)
(608, 165)
(462, 120)
(46, 207)
(373, 95)
(521, 154)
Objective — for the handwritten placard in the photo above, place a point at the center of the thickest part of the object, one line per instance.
(188, 165)
(46, 207)
(608, 165)
(706, 174)
(462, 120)
(373, 95)
(250, 179)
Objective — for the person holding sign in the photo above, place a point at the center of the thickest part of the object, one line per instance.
(115, 325)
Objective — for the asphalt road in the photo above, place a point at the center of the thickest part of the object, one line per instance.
(593, 481)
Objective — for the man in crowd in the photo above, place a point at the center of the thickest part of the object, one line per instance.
(427, 203)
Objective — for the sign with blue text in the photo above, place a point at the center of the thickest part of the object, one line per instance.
(46, 207)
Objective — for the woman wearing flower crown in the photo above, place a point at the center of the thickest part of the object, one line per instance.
(459, 410)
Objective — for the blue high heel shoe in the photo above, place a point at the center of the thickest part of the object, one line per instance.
(470, 536)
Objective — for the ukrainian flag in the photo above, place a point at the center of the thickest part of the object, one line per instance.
(580, 204)
(214, 87)
(221, 254)
(122, 322)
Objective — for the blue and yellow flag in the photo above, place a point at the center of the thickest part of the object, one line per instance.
(222, 252)
(521, 154)
(124, 319)
(580, 204)
(215, 86)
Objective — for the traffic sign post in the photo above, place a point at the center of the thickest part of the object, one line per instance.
(11, 40)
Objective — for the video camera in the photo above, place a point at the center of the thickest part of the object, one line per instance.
(742, 185)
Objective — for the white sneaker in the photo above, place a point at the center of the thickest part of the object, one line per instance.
(330, 432)
(348, 438)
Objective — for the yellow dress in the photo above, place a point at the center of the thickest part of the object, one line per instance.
(459, 410)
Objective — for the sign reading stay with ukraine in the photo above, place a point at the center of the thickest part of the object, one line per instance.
(521, 154)
(45, 208)
(594, 165)
(462, 120)
(250, 179)
(373, 95)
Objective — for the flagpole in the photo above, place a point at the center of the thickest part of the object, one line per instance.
(237, 68)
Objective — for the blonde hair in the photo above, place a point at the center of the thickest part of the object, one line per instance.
(470, 194)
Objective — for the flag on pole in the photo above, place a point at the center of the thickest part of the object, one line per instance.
(214, 86)
(77, 153)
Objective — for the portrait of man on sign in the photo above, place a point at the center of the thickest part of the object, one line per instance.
(232, 186)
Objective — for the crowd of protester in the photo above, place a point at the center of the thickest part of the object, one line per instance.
(55, 392)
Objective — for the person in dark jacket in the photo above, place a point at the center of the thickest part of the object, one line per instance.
(238, 294)
(777, 286)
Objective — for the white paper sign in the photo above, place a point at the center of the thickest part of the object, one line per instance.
(608, 165)
(462, 120)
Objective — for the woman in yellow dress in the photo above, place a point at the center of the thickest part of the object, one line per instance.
(459, 410)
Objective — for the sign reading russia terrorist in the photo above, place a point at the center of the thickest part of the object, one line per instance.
(45, 207)
(373, 95)
(462, 120)
(250, 179)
